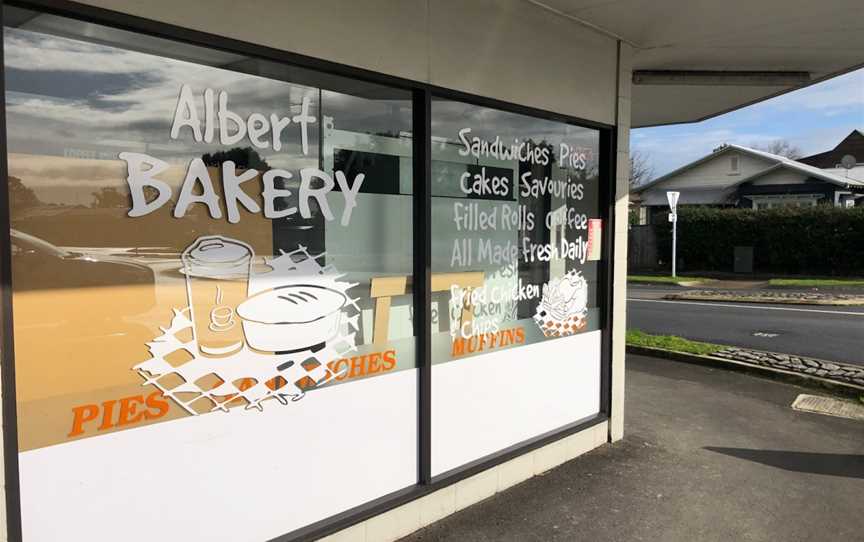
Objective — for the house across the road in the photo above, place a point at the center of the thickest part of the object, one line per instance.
(738, 176)
(852, 145)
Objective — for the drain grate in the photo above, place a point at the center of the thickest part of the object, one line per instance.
(829, 406)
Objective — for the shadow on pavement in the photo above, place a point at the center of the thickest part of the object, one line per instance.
(846, 465)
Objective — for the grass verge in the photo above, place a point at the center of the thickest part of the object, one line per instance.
(816, 283)
(664, 279)
(670, 342)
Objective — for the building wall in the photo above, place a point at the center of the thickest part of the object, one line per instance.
(715, 173)
(504, 49)
(622, 197)
(427, 510)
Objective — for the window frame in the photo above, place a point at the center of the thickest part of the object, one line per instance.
(422, 94)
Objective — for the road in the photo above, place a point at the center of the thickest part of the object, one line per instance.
(832, 333)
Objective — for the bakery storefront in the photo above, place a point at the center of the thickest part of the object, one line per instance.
(258, 295)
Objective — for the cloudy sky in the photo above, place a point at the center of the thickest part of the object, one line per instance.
(814, 119)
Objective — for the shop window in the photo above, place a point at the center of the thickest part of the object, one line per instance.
(212, 267)
(516, 250)
(218, 248)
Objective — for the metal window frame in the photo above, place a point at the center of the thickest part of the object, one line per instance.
(421, 110)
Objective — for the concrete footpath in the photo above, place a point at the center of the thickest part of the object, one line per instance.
(709, 454)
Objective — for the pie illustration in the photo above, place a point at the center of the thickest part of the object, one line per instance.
(292, 318)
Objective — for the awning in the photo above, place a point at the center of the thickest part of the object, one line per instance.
(719, 56)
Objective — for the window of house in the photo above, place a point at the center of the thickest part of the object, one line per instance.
(733, 165)
(786, 201)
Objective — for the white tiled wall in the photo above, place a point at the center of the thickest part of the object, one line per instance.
(622, 192)
(415, 515)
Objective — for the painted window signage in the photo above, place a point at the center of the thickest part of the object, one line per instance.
(255, 126)
(271, 345)
(526, 255)
(295, 306)
(254, 334)
(143, 169)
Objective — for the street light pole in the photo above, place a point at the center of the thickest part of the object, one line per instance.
(672, 197)
(674, 243)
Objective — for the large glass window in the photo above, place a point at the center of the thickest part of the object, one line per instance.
(516, 249)
(213, 294)
(212, 257)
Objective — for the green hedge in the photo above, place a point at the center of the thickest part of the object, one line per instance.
(819, 240)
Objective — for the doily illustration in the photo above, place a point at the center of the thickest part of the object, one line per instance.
(563, 310)
(291, 321)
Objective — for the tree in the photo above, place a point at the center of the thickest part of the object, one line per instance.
(109, 197)
(20, 195)
(243, 158)
(780, 147)
(641, 169)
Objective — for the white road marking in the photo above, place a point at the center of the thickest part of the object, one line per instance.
(754, 306)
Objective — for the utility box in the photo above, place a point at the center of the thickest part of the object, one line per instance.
(743, 260)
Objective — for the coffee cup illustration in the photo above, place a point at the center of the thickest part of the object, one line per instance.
(217, 275)
(251, 325)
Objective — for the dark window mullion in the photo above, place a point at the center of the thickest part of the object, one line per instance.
(422, 175)
(7, 343)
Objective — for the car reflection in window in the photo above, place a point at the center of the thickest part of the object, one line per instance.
(39, 265)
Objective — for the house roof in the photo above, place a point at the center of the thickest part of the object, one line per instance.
(856, 173)
(855, 177)
(852, 144)
(717, 152)
(810, 171)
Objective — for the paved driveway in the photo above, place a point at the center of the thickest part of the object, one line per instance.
(708, 455)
